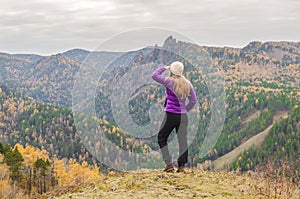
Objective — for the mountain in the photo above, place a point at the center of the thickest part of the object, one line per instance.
(260, 63)
(288, 52)
(251, 85)
(48, 84)
(27, 122)
(76, 54)
(29, 57)
(241, 93)
(258, 88)
(49, 79)
(12, 69)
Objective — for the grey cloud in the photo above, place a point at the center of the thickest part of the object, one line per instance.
(55, 25)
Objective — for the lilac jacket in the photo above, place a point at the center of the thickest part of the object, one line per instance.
(174, 104)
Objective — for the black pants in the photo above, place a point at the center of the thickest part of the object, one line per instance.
(179, 122)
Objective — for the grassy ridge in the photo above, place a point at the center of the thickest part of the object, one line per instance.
(192, 184)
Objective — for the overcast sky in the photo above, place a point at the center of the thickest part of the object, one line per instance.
(53, 26)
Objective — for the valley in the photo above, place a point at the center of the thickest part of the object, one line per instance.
(256, 87)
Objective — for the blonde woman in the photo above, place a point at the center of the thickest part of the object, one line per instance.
(178, 90)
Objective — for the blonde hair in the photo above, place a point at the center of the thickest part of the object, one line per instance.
(181, 86)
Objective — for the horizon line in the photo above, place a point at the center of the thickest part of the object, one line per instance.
(120, 51)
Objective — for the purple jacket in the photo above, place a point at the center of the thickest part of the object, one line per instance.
(174, 104)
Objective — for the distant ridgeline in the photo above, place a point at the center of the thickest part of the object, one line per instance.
(261, 81)
(49, 79)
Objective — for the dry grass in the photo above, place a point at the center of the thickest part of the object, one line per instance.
(192, 184)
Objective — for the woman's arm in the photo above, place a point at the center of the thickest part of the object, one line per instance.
(192, 99)
(158, 77)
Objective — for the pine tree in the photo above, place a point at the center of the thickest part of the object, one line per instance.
(41, 167)
(7, 148)
(14, 160)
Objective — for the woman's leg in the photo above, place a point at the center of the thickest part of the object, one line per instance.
(181, 132)
(167, 127)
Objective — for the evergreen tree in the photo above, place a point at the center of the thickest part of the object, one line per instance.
(14, 160)
(7, 148)
(41, 167)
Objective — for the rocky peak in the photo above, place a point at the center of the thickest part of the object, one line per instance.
(252, 46)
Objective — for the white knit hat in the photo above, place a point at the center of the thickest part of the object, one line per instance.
(177, 68)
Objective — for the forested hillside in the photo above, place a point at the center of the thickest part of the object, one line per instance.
(50, 127)
(252, 99)
(259, 82)
(31, 173)
(49, 79)
(280, 151)
(43, 126)
(27, 172)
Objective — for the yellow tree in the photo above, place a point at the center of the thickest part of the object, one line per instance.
(60, 172)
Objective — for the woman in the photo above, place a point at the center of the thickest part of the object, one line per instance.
(178, 89)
